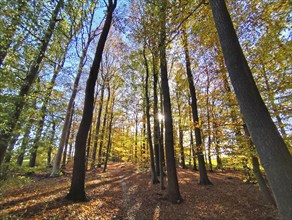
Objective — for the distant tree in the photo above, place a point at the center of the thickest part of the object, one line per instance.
(110, 127)
(97, 127)
(43, 110)
(270, 146)
(77, 191)
(91, 34)
(204, 180)
(148, 123)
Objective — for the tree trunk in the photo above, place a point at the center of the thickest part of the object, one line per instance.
(43, 111)
(261, 181)
(204, 180)
(102, 135)
(51, 143)
(180, 132)
(173, 187)
(28, 81)
(67, 140)
(270, 146)
(208, 121)
(149, 135)
(136, 139)
(97, 127)
(24, 143)
(155, 111)
(77, 191)
(88, 148)
(109, 141)
(65, 130)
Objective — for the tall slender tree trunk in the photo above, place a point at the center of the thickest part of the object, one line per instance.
(180, 132)
(28, 81)
(43, 111)
(67, 140)
(88, 147)
(173, 192)
(97, 127)
(257, 172)
(155, 111)
(270, 146)
(208, 121)
(204, 180)
(69, 110)
(149, 135)
(109, 141)
(24, 143)
(51, 143)
(261, 181)
(102, 135)
(77, 191)
(136, 139)
(192, 139)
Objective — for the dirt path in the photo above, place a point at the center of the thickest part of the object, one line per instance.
(125, 193)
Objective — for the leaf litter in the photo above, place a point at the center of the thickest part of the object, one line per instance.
(124, 192)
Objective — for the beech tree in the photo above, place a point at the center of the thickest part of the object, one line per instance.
(77, 191)
(91, 34)
(270, 146)
(204, 180)
(173, 187)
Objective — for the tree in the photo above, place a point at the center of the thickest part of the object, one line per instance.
(77, 191)
(149, 134)
(43, 111)
(173, 187)
(6, 135)
(270, 146)
(110, 127)
(204, 180)
(97, 126)
(90, 37)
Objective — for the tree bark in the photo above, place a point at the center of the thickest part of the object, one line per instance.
(88, 147)
(67, 140)
(261, 181)
(97, 127)
(109, 141)
(149, 135)
(155, 111)
(24, 143)
(208, 121)
(173, 192)
(180, 132)
(204, 180)
(65, 130)
(77, 191)
(270, 146)
(102, 135)
(51, 143)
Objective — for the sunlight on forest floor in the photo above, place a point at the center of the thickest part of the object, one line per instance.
(124, 193)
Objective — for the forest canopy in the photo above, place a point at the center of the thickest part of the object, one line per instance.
(155, 83)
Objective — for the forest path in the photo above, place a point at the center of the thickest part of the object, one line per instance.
(124, 192)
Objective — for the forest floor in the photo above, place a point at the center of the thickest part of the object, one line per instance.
(124, 192)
